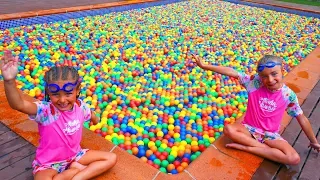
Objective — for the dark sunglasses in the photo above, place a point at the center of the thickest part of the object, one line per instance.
(269, 64)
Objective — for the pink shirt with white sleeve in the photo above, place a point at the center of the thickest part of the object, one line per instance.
(60, 131)
(266, 108)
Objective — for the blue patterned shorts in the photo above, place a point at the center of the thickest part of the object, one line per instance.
(58, 166)
(261, 135)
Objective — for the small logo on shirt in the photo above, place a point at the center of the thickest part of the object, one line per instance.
(71, 127)
(267, 104)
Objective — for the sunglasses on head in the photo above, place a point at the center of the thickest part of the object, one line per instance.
(269, 64)
(68, 87)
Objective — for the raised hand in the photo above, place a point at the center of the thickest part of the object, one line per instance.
(198, 61)
(9, 66)
(315, 146)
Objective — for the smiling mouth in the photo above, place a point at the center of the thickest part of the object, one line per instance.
(272, 84)
(63, 105)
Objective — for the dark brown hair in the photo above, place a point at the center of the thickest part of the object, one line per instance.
(56, 73)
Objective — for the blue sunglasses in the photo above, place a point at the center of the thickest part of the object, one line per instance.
(269, 64)
(68, 87)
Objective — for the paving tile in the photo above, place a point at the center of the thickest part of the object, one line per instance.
(46, 7)
(9, 116)
(303, 79)
(92, 141)
(28, 14)
(309, 67)
(96, 6)
(81, 8)
(1, 86)
(3, 94)
(313, 58)
(212, 164)
(300, 89)
(128, 167)
(303, 71)
(9, 16)
(245, 157)
(3, 98)
(180, 176)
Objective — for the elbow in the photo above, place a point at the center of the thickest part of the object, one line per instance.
(16, 107)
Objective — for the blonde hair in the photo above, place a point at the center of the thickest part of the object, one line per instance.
(270, 58)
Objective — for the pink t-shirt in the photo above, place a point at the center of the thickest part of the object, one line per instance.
(265, 108)
(60, 131)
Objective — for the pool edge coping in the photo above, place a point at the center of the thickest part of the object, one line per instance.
(28, 14)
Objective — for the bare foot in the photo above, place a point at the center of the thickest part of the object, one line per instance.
(236, 146)
(77, 165)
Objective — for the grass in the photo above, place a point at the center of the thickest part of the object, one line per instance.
(306, 2)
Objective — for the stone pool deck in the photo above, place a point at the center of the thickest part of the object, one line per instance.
(30, 8)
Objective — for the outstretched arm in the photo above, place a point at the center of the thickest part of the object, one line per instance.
(218, 69)
(307, 129)
(9, 69)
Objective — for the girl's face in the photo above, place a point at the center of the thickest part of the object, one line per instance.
(63, 93)
(272, 77)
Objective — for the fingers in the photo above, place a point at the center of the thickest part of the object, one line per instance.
(315, 147)
(8, 57)
(195, 57)
(16, 60)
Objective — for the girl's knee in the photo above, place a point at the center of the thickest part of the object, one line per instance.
(45, 174)
(43, 177)
(113, 158)
(110, 158)
(294, 159)
(228, 130)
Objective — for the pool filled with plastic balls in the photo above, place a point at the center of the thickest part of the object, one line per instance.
(139, 77)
